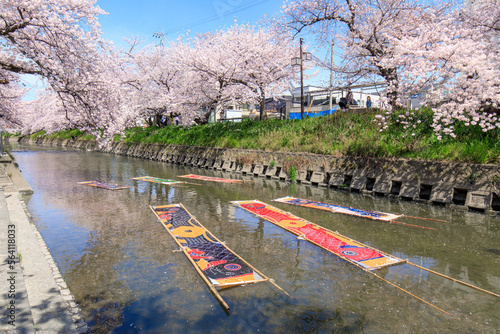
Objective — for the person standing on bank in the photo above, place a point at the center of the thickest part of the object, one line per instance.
(349, 97)
(368, 102)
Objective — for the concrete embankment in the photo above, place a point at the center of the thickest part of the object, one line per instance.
(459, 185)
(34, 295)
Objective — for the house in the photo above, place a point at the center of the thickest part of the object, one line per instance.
(324, 100)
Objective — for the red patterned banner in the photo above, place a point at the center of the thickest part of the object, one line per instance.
(210, 178)
(355, 252)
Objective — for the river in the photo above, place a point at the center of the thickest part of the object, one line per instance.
(118, 262)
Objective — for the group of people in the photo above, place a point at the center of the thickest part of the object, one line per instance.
(347, 101)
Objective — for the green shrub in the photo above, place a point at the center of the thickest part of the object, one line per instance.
(342, 134)
(292, 173)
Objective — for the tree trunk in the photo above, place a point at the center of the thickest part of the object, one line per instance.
(262, 103)
(391, 77)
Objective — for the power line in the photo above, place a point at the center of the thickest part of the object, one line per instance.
(216, 17)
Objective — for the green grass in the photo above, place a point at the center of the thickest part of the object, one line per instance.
(292, 173)
(339, 134)
(72, 134)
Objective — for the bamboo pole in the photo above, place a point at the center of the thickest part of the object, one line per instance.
(211, 179)
(299, 235)
(422, 218)
(400, 288)
(356, 264)
(277, 286)
(210, 285)
(453, 279)
(374, 218)
(395, 222)
(171, 184)
(411, 294)
(243, 260)
(118, 186)
(228, 285)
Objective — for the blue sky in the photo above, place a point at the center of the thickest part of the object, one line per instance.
(129, 18)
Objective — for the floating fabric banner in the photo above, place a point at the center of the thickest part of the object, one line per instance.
(157, 180)
(338, 208)
(210, 178)
(104, 185)
(220, 265)
(355, 252)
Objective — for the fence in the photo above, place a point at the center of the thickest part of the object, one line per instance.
(297, 115)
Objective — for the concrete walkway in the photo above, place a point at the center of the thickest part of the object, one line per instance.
(34, 296)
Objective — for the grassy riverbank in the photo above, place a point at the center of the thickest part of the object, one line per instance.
(339, 134)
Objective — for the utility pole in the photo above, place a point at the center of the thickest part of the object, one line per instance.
(331, 76)
(160, 36)
(301, 80)
(299, 61)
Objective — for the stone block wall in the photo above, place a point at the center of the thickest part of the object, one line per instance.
(460, 185)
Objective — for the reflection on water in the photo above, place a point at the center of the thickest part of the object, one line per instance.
(118, 260)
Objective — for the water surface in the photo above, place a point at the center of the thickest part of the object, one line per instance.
(117, 258)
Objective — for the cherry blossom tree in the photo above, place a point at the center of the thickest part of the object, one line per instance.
(44, 113)
(472, 68)
(10, 98)
(267, 54)
(238, 65)
(366, 31)
(212, 64)
(94, 87)
(456, 58)
(449, 50)
(152, 83)
(58, 40)
(46, 36)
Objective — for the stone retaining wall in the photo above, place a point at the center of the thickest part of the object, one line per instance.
(460, 185)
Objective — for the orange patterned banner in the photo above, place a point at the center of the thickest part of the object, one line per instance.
(210, 178)
(221, 266)
(355, 252)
